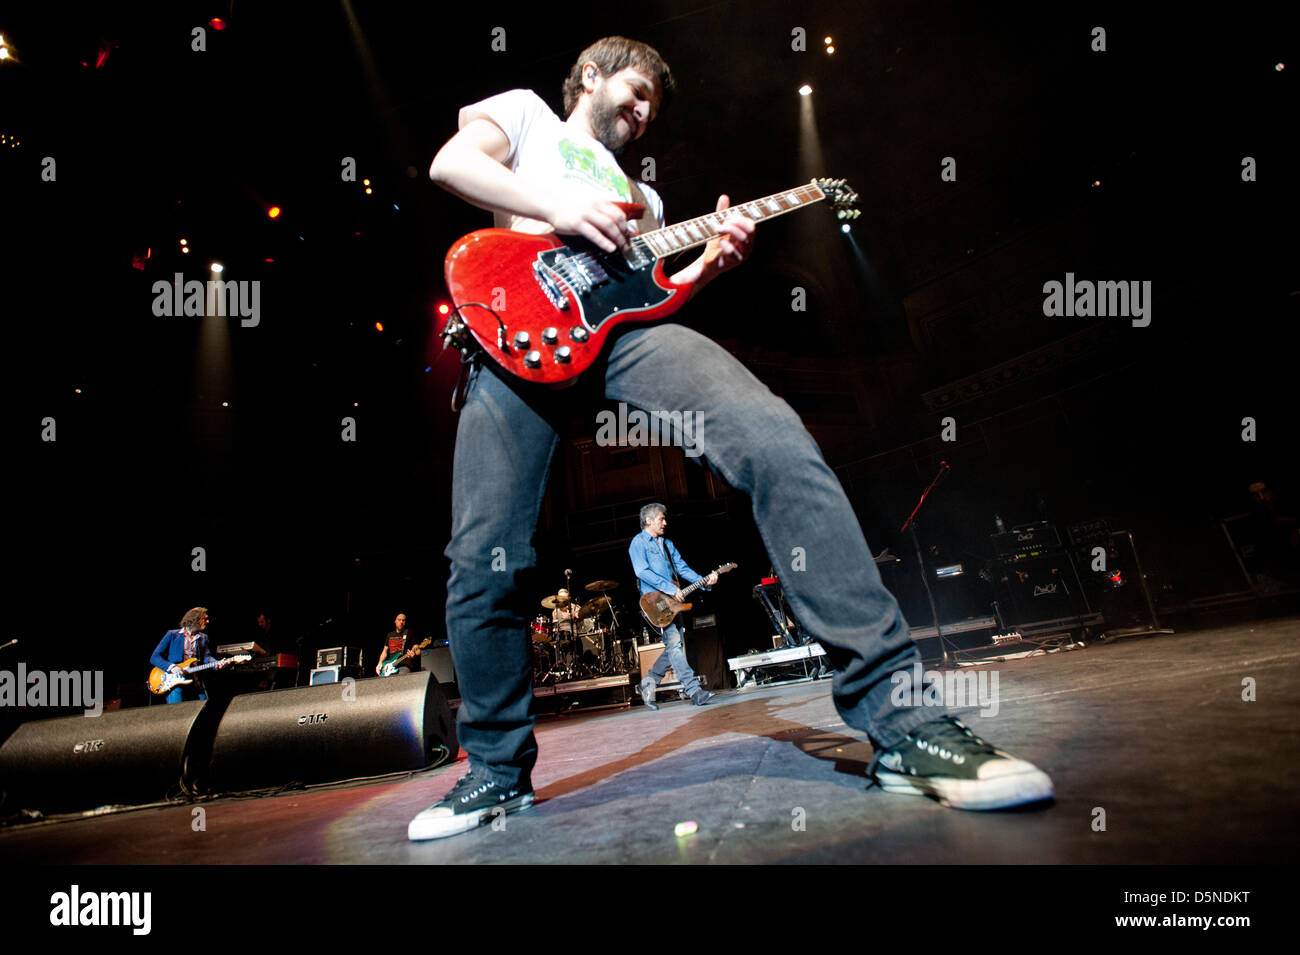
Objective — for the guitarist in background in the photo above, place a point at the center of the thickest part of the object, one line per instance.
(399, 640)
(657, 563)
(535, 171)
(189, 642)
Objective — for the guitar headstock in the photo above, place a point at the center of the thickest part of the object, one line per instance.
(841, 197)
(726, 568)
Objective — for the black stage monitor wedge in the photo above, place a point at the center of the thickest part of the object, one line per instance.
(315, 734)
(128, 756)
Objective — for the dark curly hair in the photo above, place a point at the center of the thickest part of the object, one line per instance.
(615, 53)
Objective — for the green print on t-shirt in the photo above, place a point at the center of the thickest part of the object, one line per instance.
(583, 161)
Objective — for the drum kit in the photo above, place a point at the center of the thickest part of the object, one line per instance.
(580, 641)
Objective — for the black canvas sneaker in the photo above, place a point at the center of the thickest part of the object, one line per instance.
(473, 801)
(943, 758)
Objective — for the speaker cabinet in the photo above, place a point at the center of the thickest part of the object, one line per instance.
(124, 756)
(647, 655)
(338, 731)
(1041, 588)
(438, 661)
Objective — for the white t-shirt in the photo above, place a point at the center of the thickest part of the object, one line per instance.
(544, 148)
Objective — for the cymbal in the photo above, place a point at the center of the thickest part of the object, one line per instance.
(601, 586)
(592, 607)
(551, 602)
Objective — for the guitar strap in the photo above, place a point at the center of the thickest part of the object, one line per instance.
(647, 222)
(672, 568)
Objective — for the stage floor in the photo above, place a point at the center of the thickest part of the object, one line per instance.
(1153, 731)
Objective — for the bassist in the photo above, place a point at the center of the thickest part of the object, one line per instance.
(657, 563)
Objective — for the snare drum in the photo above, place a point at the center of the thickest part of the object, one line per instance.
(541, 629)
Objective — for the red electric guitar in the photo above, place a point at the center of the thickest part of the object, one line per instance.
(542, 306)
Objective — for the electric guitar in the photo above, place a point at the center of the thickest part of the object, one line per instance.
(389, 666)
(542, 306)
(659, 609)
(163, 681)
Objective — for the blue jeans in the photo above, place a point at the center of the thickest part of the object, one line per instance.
(505, 441)
(178, 694)
(674, 656)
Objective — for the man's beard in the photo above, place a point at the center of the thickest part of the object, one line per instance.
(604, 121)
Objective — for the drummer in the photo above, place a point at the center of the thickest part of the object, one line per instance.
(565, 613)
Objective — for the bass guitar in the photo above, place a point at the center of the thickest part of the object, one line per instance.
(389, 666)
(161, 681)
(659, 609)
(542, 306)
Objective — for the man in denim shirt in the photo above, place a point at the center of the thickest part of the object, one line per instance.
(656, 561)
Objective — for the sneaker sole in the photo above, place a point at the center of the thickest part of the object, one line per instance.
(1001, 792)
(423, 828)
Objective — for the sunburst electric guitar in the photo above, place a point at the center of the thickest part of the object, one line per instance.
(542, 306)
(160, 681)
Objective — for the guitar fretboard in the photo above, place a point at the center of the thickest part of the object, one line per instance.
(687, 235)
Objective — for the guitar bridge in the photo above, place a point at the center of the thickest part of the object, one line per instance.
(547, 280)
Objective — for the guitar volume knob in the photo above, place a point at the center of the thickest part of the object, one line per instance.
(550, 335)
(533, 359)
(562, 354)
(522, 340)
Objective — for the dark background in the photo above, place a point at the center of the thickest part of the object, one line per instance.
(933, 309)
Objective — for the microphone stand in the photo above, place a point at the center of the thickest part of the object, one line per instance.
(910, 524)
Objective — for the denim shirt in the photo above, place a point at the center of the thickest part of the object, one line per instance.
(651, 566)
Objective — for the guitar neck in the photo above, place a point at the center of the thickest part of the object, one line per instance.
(693, 232)
(700, 583)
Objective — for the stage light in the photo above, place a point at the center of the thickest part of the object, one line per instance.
(185, 250)
(273, 212)
(805, 90)
(828, 41)
(365, 182)
(369, 190)
(830, 49)
(217, 23)
(1280, 67)
(4, 52)
(225, 404)
(845, 228)
(379, 326)
(185, 241)
(217, 267)
(443, 309)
